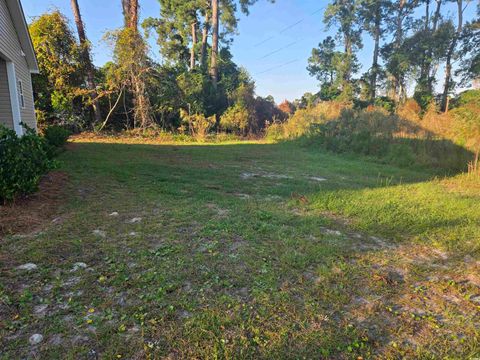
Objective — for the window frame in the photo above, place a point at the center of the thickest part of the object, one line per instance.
(21, 95)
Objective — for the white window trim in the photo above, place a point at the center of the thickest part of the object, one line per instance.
(21, 96)
(12, 87)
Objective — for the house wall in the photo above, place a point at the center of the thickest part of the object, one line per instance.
(11, 50)
(6, 117)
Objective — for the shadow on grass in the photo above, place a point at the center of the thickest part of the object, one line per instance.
(388, 139)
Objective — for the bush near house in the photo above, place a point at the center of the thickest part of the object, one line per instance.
(56, 137)
(24, 160)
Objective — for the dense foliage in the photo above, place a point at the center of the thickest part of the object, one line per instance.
(23, 160)
(412, 40)
(132, 91)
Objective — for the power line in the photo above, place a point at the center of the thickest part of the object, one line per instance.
(278, 50)
(291, 26)
(282, 48)
(287, 46)
(264, 41)
(288, 27)
(278, 66)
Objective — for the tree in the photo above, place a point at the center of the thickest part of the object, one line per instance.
(287, 107)
(344, 15)
(215, 29)
(87, 60)
(394, 53)
(448, 85)
(178, 27)
(427, 47)
(372, 14)
(470, 43)
(329, 66)
(131, 55)
(223, 11)
(58, 54)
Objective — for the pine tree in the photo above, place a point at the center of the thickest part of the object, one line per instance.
(87, 60)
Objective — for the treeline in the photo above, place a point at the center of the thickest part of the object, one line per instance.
(412, 40)
(197, 88)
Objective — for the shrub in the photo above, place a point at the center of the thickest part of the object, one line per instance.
(275, 132)
(235, 119)
(300, 123)
(385, 103)
(23, 160)
(56, 137)
(409, 110)
(198, 125)
(467, 130)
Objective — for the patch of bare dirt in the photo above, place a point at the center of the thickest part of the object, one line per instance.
(30, 213)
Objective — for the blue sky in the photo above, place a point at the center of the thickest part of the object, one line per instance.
(282, 74)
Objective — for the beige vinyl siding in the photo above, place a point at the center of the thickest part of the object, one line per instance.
(6, 117)
(10, 49)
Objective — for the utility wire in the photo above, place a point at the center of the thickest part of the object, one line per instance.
(278, 50)
(282, 48)
(291, 26)
(278, 66)
(288, 27)
(287, 46)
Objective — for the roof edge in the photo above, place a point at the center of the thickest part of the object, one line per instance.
(21, 27)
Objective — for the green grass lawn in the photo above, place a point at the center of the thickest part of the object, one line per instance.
(245, 250)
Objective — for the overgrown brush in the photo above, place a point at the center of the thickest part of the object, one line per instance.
(389, 138)
(404, 138)
(300, 122)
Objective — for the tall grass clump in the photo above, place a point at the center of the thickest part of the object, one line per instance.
(300, 122)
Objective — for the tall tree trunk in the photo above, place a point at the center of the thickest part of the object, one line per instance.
(436, 16)
(134, 14)
(126, 12)
(373, 84)
(448, 65)
(426, 81)
(427, 15)
(85, 52)
(348, 51)
(397, 81)
(214, 56)
(436, 19)
(141, 102)
(194, 44)
(205, 30)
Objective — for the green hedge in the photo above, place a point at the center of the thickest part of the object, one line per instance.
(23, 161)
(56, 137)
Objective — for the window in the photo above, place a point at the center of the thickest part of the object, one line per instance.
(21, 98)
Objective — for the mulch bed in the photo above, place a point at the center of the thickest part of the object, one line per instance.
(28, 214)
